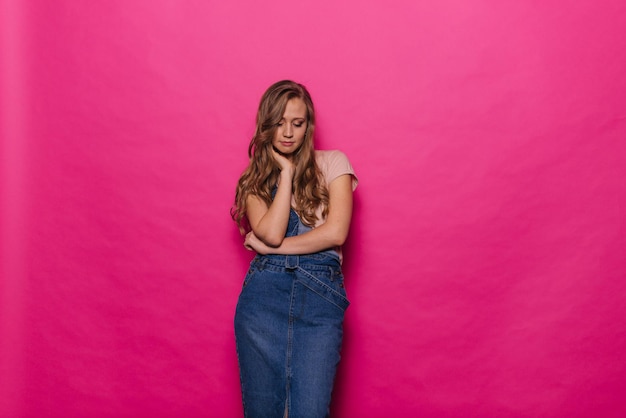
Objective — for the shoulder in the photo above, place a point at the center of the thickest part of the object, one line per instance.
(328, 157)
(334, 163)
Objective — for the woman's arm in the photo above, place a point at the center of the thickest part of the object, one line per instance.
(269, 224)
(330, 234)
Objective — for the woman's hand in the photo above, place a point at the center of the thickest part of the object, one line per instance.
(283, 162)
(252, 243)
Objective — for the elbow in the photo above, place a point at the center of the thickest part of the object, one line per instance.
(273, 241)
(339, 238)
(271, 238)
(336, 234)
(340, 241)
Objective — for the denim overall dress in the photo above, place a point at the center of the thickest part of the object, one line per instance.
(288, 329)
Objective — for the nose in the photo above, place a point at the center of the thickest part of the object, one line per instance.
(288, 130)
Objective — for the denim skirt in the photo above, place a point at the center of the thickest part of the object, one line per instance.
(288, 329)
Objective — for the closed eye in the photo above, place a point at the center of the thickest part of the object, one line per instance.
(297, 123)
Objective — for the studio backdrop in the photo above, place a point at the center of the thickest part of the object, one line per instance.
(486, 263)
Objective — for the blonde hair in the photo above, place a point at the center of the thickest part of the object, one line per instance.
(261, 175)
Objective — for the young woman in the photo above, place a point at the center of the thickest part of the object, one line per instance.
(294, 204)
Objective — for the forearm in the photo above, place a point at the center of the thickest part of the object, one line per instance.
(330, 234)
(271, 227)
(319, 239)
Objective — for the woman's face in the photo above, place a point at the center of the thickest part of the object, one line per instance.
(291, 128)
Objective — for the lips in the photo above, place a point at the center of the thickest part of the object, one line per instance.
(286, 144)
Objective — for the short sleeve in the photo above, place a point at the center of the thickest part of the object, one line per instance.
(334, 164)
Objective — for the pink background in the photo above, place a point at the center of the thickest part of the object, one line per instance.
(486, 264)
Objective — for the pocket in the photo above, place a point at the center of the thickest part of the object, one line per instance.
(331, 290)
(249, 275)
(339, 285)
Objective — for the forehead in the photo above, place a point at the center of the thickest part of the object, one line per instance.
(295, 109)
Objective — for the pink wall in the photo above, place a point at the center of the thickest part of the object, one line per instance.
(486, 265)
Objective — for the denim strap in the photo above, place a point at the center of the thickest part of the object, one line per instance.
(292, 262)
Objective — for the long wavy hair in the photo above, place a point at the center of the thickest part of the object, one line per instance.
(261, 175)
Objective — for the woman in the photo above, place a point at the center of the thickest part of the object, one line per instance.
(295, 204)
